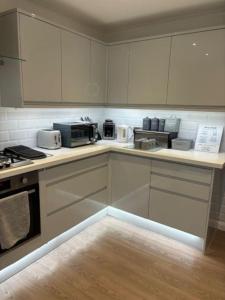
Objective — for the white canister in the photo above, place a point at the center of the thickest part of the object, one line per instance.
(124, 133)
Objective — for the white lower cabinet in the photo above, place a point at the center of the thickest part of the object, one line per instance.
(73, 192)
(180, 196)
(179, 212)
(172, 194)
(130, 177)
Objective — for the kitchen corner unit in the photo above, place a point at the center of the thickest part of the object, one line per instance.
(170, 190)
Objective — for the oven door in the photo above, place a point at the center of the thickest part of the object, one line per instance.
(34, 206)
(81, 134)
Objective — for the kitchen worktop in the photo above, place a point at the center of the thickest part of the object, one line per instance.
(66, 155)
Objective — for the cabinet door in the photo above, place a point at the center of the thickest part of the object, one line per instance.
(148, 71)
(178, 211)
(97, 91)
(72, 193)
(197, 69)
(130, 177)
(40, 46)
(118, 74)
(75, 67)
(9, 45)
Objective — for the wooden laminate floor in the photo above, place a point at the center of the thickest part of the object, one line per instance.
(118, 261)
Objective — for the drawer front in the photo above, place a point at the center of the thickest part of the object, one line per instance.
(69, 190)
(70, 216)
(178, 212)
(186, 188)
(65, 170)
(202, 175)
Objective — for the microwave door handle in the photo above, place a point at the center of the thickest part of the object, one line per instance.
(93, 139)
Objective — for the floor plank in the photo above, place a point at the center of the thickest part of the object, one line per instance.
(113, 260)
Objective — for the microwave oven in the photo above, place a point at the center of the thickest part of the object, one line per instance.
(75, 134)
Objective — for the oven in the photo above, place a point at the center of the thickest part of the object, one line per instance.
(16, 185)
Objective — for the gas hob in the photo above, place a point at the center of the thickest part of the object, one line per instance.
(11, 161)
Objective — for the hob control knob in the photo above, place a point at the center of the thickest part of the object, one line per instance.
(7, 164)
(24, 180)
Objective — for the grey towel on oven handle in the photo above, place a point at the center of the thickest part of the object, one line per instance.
(14, 219)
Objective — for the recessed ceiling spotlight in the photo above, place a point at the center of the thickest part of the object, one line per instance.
(33, 15)
(194, 44)
(207, 54)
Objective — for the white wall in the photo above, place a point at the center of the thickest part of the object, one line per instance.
(39, 8)
(137, 29)
(165, 25)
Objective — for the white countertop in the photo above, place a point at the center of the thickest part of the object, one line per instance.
(65, 155)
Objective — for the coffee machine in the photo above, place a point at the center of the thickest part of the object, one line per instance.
(109, 130)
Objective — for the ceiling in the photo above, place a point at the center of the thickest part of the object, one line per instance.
(114, 12)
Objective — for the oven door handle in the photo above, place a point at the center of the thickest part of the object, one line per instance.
(31, 191)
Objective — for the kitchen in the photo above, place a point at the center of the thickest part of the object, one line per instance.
(123, 113)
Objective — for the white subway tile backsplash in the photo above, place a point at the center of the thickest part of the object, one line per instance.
(20, 126)
(8, 125)
(18, 135)
(35, 123)
(3, 115)
(189, 124)
(4, 136)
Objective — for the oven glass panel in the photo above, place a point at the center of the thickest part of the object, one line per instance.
(4, 185)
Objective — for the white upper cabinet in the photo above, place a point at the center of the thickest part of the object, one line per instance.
(75, 67)
(118, 66)
(97, 90)
(197, 69)
(41, 72)
(9, 44)
(53, 65)
(148, 71)
(10, 69)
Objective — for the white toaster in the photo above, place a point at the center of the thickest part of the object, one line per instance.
(49, 139)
